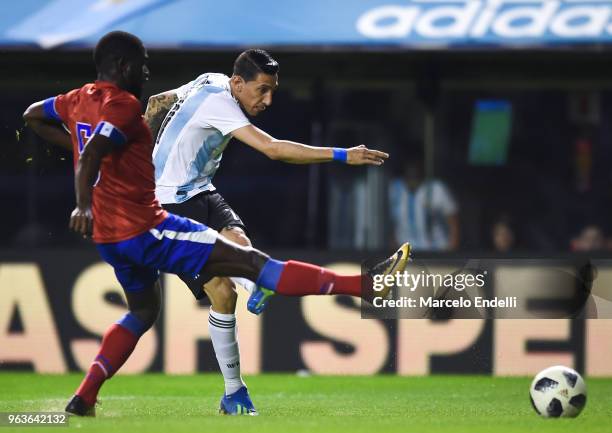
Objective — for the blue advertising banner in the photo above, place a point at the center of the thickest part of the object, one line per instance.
(315, 23)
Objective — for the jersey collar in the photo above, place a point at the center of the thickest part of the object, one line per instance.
(101, 83)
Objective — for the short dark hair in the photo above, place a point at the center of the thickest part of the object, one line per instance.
(255, 61)
(115, 45)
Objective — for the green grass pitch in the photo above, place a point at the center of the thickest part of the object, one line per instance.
(288, 403)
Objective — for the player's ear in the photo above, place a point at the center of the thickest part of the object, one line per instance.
(123, 67)
(238, 83)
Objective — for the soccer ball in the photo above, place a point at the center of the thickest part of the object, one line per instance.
(558, 392)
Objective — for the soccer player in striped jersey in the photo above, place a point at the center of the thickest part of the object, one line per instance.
(193, 124)
(115, 199)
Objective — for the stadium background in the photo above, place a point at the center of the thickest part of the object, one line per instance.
(406, 94)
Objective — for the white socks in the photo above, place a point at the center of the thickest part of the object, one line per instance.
(222, 329)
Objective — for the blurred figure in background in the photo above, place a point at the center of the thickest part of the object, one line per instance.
(423, 211)
(503, 234)
(591, 238)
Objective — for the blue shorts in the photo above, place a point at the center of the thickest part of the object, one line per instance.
(177, 246)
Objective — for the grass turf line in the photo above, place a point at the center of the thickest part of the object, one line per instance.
(287, 403)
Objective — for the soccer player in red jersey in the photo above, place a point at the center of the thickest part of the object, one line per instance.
(115, 195)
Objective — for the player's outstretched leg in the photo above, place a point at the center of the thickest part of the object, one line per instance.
(291, 278)
(117, 345)
(294, 278)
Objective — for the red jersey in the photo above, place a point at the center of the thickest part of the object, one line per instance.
(123, 202)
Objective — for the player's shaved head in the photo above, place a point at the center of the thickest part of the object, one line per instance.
(117, 45)
(252, 62)
(120, 58)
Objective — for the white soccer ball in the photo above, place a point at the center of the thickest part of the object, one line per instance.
(558, 392)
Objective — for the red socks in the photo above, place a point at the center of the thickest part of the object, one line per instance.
(117, 345)
(300, 279)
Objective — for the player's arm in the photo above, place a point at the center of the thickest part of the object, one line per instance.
(157, 109)
(48, 127)
(81, 219)
(298, 153)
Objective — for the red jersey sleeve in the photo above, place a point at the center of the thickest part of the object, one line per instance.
(56, 107)
(118, 117)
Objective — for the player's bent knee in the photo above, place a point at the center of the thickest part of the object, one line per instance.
(228, 293)
(147, 317)
(227, 296)
(145, 305)
(149, 313)
(222, 294)
(221, 288)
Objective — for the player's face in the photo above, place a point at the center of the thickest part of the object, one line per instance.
(256, 95)
(136, 73)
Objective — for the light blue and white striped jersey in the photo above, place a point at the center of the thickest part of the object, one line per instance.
(193, 136)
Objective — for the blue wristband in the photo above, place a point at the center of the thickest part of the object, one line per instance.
(340, 154)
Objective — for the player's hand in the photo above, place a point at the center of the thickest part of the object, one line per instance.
(361, 155)
(81, 221)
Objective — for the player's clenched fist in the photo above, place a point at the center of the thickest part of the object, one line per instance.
(81, 221)
(361, 155)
